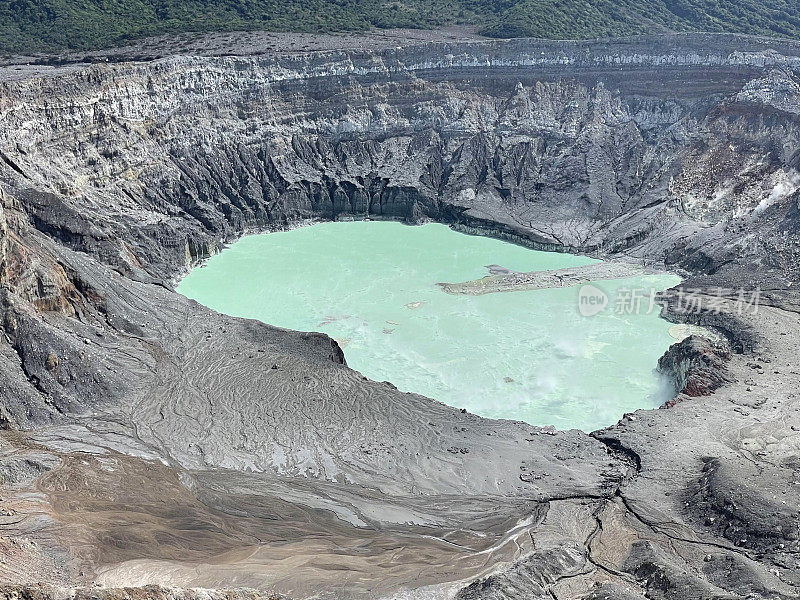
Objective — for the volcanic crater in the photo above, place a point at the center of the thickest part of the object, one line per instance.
(150, 441)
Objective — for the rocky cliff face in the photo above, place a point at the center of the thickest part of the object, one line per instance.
(697, 366)
(118, 177)
(558, 141)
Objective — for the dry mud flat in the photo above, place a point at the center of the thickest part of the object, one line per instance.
(148, 440)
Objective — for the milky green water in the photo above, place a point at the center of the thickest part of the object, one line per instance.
(526, 355)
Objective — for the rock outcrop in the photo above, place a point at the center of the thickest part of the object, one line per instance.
(697, 366)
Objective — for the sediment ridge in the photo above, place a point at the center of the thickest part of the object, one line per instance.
(538, 280)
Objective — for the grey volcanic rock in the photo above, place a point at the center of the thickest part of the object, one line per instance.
(530, 577)
(612, 591)
(183, 448)
(154, 592)
(697, 365)
(747, 516)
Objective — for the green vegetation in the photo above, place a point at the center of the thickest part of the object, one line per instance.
(613, 18)
(28, 25)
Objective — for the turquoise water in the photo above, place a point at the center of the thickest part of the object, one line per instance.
(526, 355)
